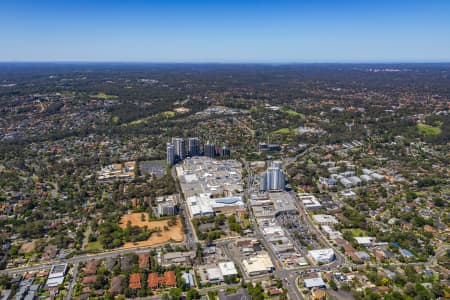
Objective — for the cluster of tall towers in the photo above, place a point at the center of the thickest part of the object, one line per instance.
(273, 179)
(176, 150)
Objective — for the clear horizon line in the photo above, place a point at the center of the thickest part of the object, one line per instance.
(225, 62)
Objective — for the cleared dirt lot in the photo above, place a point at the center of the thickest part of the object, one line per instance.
(175, 233)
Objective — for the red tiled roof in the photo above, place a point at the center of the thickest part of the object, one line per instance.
(135, 281)
(348, 249)
(153, 280)
(91, 267)
(89, 279)
(170, 278)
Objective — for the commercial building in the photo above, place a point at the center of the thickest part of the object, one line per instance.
(210, 149)
(225, 151)
(178, 144)
(348, 194)
(203, 175)
(194, 146)
(204, 205)
(314, 283)
(322, 255)
(258, 264)
(167, 205)
(227, 269)
(56, 275)
(331, 233)
(310, 202)
(325, 219)
(283, 203)
(214, 275)
(273, 179)
(170, 154)
(176, 258)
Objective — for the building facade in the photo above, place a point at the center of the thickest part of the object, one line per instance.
(273, 179)
(194, 147)
(170, 154)
(178, 144)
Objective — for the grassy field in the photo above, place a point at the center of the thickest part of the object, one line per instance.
(428, 130)
(94, 247)
(356, 232)
(285, 131)
(168, 114)
(137, 122)
(104, 96)
(292, 112)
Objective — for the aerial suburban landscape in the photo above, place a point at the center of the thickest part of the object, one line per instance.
(218, 181)
(224, 150)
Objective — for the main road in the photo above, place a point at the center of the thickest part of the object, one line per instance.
(81, 259)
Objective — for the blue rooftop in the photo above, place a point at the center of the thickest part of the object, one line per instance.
(228, 200)
(406, 252)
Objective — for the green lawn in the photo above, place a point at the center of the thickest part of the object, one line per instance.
(286, 131)
(104, 96)
(137, 122)
(94, 247)
(168, 114)
(428, 130)
(356, 232)
(292, 112)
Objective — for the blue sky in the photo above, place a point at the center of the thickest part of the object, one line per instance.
(225, 31)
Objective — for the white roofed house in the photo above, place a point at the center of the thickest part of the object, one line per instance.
(365, 240)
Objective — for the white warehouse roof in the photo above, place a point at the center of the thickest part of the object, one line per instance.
(227, 268)
(314, 282)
